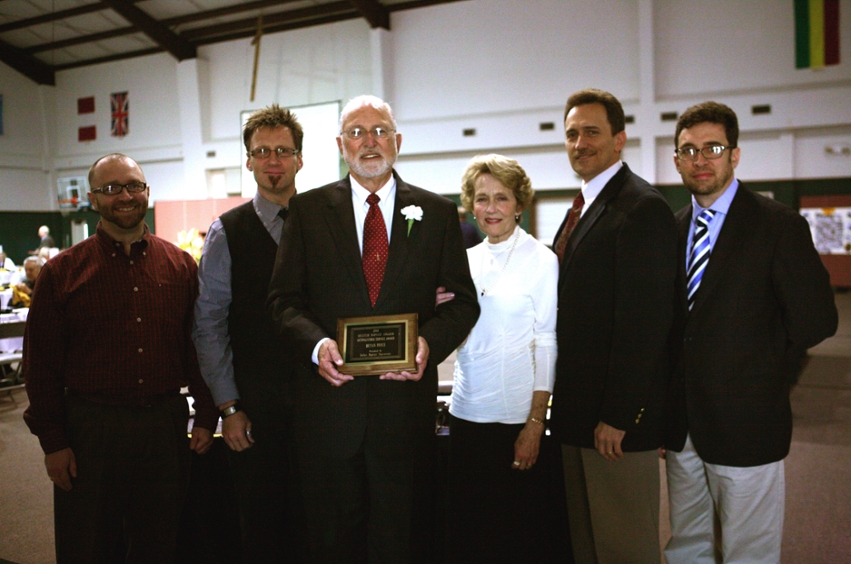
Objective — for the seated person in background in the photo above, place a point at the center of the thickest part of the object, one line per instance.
(23, 290)
(47, 253)
(5, 262)
(503, 376)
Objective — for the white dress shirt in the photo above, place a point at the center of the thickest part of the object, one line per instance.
(590, 190)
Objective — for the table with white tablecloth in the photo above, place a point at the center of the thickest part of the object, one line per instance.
(12, 327)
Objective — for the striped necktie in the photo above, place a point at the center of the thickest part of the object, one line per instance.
(699, 257)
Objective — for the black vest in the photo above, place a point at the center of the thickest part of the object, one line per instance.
(261, 369)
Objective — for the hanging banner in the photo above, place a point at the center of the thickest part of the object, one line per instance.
(88, 133)
(816, 33)
(86, 105)
(120, 114)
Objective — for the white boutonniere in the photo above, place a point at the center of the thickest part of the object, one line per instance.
(412, 213)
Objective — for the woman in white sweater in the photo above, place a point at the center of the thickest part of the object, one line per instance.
(504, 373)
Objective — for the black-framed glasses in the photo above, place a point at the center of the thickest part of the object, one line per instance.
(709, 153)
(266, 152)
(358, 133)
(115, 189)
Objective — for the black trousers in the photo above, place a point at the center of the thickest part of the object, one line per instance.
(132, 477)
(495, 514)
(271, 520)
(375, 505)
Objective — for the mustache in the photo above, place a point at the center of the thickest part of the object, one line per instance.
(364, 152)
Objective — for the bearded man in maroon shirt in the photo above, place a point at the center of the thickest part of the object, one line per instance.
(106, 351)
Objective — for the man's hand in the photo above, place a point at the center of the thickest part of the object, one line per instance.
(201, 440)
(443, 296)
(607, 441)
(61, 467)
(236, 430)
(422, 361)
(329, 359)
(24, 288)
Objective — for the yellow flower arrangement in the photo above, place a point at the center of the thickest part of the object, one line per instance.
(191, 242)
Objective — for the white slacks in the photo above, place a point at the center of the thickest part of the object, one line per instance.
(724, 513)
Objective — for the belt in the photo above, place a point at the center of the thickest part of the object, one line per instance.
(150, 400)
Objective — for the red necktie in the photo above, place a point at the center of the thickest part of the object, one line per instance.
(572, 220)
(375, 248)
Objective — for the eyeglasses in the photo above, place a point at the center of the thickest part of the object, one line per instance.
(115, 189)
(266, 152)
(358, 133)
(709, 153)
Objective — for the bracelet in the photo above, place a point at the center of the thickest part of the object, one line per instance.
(228, 411)
(538, 421)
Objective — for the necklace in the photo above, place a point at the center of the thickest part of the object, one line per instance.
(510, 252)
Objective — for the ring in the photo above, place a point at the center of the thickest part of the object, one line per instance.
(515, 463)
(248, 432)
(611, 452)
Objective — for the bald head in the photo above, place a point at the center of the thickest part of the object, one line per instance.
(116, 158)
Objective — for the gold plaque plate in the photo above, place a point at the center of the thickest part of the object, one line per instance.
(378, 344)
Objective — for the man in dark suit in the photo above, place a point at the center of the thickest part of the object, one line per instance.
(366, 444)
(754, 297)
(617, 248)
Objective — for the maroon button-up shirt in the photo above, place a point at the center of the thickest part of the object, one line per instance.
(115, 326)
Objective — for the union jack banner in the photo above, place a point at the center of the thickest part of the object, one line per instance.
(120, 114)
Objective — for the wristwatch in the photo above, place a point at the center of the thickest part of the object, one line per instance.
(228, 411)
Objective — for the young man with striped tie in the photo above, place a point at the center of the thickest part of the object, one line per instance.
(754, 296)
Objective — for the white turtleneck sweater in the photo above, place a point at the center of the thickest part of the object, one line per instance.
(511, 352)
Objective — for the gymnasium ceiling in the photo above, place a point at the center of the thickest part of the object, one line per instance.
(40, 37)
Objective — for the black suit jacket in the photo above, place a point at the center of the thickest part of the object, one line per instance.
(319, 277)
(764, 298)
(615, 313)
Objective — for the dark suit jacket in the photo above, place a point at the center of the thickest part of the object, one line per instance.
(319, 277)
(764, 298)
(616, 303)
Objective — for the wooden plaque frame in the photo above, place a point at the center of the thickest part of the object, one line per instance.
(375, 345)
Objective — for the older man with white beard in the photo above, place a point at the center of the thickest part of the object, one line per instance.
(369, 245)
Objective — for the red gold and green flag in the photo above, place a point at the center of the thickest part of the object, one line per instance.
(816, 33)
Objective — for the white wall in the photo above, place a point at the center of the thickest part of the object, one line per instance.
(733, 46)
(502, 67)
(24, 173)
(154, 123)
(300, 67)
(500, 56)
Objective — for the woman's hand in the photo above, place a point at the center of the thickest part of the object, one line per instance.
(527, 446)
(528, 442)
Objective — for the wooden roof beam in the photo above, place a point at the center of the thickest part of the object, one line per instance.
(171, 42)
(372, 10)
(27, 65)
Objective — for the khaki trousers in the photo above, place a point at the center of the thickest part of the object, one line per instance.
(613, 507)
